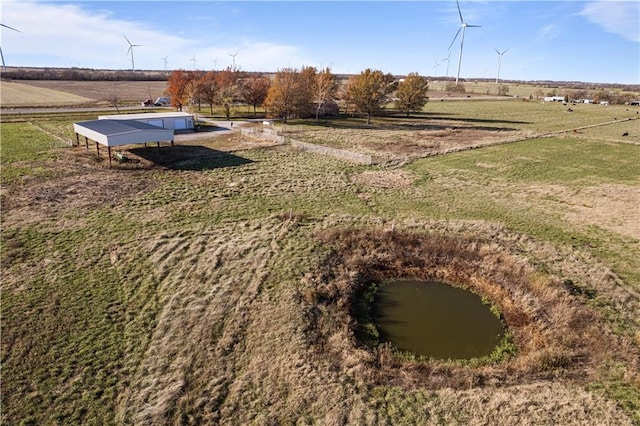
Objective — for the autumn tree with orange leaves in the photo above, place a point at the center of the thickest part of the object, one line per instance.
(412, 93)
(291, 93)
(369, 91)
(177, 87)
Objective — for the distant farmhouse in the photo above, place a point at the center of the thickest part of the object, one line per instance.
(554, 99)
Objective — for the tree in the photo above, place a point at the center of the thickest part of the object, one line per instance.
(227, 89)
(369, 91)
(305, 93)
(281, 94)
(177, 88)
(193, 90)
(114, 100)
(325, 89)
(412, 93)
(209, 89)
(254, 90)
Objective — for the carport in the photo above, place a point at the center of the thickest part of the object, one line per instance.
(120, 132)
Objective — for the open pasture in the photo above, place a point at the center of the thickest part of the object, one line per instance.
(457, 125)
(198, 291)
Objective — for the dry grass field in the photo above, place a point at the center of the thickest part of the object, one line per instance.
(217, 282)
(42, 93)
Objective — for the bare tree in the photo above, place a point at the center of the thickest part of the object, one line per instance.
(227, 89)
(325, 89)
(254, 90)
(209, 89)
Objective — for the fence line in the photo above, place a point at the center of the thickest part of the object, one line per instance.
(355, 157)
(274, 135)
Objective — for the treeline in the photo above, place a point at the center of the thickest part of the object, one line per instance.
(297, 93)
(83, 74)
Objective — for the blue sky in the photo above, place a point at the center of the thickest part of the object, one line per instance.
(574, 40)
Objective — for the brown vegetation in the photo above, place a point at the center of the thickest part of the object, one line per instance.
(557, 335)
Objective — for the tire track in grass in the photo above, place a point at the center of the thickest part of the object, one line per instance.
(208, 281)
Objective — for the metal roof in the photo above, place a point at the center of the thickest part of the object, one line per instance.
(117, 127)
(122, 132)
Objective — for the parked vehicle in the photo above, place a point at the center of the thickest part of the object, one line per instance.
(147, 102)
(162, 101)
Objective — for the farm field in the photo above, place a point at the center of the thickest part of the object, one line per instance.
(39, 93)
(214, 282)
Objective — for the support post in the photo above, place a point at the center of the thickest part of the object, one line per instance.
(109, 151)
(171, 142)
(158, 144)
(77, 139)
(98, 148)
(86, 142)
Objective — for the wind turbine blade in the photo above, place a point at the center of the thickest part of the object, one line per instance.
(125, 37)
(455, 37)
(497, 52)
(459, 12)
(11, 28)
(474, 26)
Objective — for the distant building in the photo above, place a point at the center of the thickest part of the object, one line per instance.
(554, 99)
(165, 120)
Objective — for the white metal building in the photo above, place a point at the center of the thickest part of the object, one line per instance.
(166, 120)
(120, 132)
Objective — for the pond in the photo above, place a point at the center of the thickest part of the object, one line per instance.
(434, 319)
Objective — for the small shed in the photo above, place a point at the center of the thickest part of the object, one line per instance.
(166, 120)
(120, 132)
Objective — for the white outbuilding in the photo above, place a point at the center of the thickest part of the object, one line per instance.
(166, 120)
(112, 133)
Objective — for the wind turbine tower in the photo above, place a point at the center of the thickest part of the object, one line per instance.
(233, 56)
(130, 50)
(1, 55)
(500, 54)
(463, 27)
(194, 60)
(165, 62)
(448, 61)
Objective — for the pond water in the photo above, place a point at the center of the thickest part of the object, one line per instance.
(434, 319)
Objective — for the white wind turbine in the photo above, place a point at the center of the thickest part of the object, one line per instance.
(463, 27)
(500, 54)
(130, 50)
(165, 62)
(1, 55)
(233, 55)
(436, 66)
(447, 61)
(194, 60)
